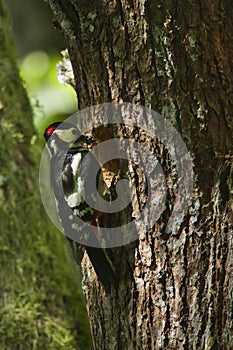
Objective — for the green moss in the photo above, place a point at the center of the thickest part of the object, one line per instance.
(41, 303)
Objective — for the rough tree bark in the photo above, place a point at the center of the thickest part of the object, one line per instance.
(176, 291)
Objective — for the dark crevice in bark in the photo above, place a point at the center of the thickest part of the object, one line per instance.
(133, 323)
(104, 76)
(202, 299)
(167, 325)
(184, 312)
(178, 115)
(220, 278)
(72, 15)
(142, 95)
(153, 252)
(81, 85)
(110, 63)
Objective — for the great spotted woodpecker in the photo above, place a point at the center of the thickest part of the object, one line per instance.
(67, 148)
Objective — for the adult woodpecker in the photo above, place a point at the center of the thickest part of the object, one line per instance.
(69, 169)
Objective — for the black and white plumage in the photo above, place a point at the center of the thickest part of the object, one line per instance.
(68, 150)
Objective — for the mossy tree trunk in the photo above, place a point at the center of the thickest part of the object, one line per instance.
(174, 292)
(41, 306)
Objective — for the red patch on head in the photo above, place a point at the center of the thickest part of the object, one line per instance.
(50, 130)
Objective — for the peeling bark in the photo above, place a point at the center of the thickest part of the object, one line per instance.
(176, 291)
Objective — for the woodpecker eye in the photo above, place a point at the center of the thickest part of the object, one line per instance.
(75, 132)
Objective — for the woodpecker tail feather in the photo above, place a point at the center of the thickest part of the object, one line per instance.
(102, 268)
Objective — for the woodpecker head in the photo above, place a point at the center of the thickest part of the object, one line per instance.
(60, 135)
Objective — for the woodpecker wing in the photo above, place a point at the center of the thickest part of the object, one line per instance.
(79, 165)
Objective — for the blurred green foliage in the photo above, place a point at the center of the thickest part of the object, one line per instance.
(51, 101)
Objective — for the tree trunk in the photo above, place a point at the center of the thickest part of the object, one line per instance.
(175, 291)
